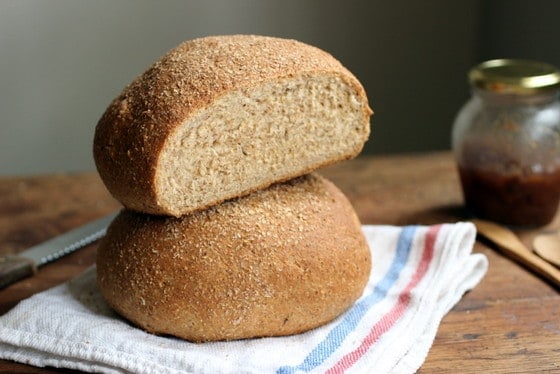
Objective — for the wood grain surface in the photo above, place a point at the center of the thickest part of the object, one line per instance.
(510, 323)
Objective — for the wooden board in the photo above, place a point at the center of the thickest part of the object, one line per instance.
(509, 323)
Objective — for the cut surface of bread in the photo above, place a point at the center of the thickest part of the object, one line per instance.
(279, 261)
(220, 117)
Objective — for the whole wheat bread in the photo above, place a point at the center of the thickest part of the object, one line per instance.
(220, 117)
(279, 261)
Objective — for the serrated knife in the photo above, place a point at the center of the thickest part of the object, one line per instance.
(24, 264)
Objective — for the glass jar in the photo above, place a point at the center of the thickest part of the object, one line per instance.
(506, 140)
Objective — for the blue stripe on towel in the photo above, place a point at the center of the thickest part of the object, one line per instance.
(351, 319)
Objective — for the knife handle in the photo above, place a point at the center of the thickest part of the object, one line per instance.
(14, 268)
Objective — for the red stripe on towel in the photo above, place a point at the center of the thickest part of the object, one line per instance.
(389, 319)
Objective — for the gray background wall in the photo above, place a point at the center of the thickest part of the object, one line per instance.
(62, 61)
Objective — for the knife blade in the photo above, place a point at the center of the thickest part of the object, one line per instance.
(24, 264)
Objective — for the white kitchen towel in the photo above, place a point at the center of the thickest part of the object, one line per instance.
(418, 274)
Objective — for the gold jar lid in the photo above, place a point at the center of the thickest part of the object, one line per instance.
(514, 76)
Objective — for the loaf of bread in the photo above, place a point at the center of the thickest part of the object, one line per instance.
(279, 261)
(219, 117)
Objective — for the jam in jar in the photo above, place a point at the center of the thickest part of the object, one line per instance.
(506, 140)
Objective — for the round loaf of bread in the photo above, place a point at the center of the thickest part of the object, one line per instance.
(279, 261)
(219, 117)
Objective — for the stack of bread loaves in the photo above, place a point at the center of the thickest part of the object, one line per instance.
(227, 232)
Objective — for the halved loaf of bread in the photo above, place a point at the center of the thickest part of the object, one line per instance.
(220, 117)
(279, 261)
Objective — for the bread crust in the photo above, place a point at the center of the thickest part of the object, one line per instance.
(132, 132)
(279, 261)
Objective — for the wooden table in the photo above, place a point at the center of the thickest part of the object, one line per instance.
(509, 323)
